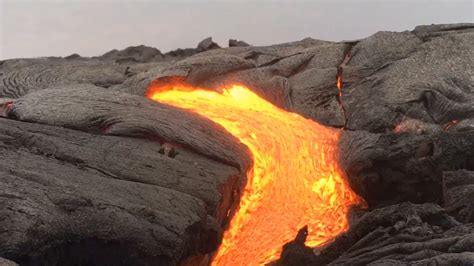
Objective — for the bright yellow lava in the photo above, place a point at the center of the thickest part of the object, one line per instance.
(295, 179)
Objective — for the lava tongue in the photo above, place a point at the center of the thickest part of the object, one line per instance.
(295, 179)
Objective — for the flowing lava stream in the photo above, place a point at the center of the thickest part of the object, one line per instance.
(295, 179)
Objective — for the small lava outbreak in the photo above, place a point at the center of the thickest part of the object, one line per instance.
(295, 179)
(339, 83)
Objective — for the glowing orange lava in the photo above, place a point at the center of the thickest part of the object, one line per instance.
(295, 179)
(339, 83)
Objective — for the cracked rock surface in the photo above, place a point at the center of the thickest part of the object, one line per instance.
(91, 172)
(400, 234)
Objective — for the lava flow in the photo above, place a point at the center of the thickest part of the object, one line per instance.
(295, 179)
(339, 82)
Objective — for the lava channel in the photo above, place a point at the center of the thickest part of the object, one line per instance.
(295, 179)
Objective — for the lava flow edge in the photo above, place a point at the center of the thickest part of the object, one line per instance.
(295, 180)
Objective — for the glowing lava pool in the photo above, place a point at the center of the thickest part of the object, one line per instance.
(295, 179)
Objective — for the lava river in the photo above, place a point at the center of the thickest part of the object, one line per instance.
(295, 179)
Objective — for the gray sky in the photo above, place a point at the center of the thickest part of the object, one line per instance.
(62, 27)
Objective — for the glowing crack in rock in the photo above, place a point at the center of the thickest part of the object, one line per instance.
(295, 179)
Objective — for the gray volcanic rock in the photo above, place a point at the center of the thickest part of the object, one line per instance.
(138, 83)
(21, 76)
(79, 197)
(426, 32)
(275, 72)
(73, 56)
(395, 235)
(237, 43)
(207, 44)
(91, 172)
(398, 75)
(387, 78)
(142, 54)
(390, 168)
(5, 262)
(92, 109)
(71, 197)
(458, 194)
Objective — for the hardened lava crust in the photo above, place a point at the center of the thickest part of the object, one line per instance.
(93, 172)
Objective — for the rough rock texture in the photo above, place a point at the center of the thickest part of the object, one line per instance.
(391, 168)
(422, 74)
(21, 76)
(140, 53)
(91, 172)
(141, 78)
(79, 195)
(399, 234)
(237, 43)
(5, 262)
(207, 44)
(458, 194)
(89, 108)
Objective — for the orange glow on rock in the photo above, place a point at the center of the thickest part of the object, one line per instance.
(450, 124)
(295, 179)
(339, 83)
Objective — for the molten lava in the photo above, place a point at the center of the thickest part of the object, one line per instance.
(295, 179)
(339, 83)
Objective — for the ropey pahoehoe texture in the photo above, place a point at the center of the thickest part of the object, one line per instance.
(83, 178)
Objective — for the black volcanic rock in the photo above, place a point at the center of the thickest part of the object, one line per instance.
(81, 197)
(103, 186)
(237, 43)
(73, 56)
(21, 76)
(458, 194)
(395, 235)
(207, 44)
(391, 168)
(182, 53)
(85, 176)
(142, 54)
(388, 77)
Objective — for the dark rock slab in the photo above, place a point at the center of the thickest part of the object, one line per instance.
(237, 43)
(387, 77)
(138, 84)
(73, 56)
(197, 70)
(390, 168)
(426, 32)
(394, 235)
(181, 53)
(21, 76)
(141, 53)
(207, 44)
(458, 194)
(51, 210)
(394, 76)
(275, 72)
(86, 179)
(128, 159)
(314, 94)
(72, 197)
(92, 109)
